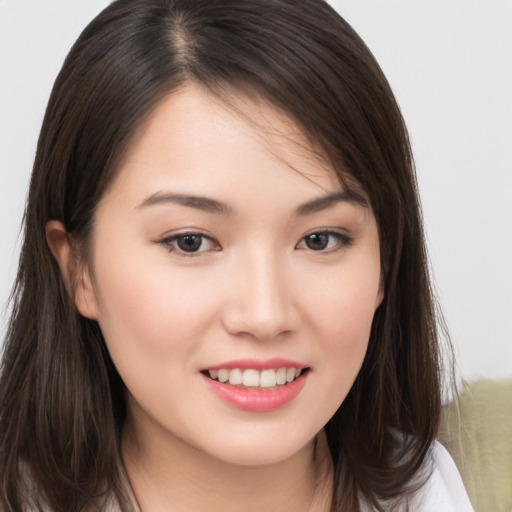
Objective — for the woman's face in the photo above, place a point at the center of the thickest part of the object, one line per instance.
(227, 251)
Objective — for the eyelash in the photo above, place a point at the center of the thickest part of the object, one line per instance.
(342, 240)
(170, 243)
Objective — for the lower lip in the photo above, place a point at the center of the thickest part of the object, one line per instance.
(256, 400)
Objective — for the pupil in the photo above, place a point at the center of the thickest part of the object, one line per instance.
(317, 241)
(189, 243)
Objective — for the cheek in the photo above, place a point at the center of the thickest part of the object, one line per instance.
(340, 310)
(345, 330)
(150, 314)
(347, 313)
(342, 305)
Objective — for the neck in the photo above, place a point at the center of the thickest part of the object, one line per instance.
(168, 473)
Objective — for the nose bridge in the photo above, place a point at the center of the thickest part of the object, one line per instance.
(262, 304)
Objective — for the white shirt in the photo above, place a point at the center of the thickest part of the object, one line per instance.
(444, 490)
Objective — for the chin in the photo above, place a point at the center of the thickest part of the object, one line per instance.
(259, 450)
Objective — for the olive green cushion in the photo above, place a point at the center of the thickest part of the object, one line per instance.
(478, 436)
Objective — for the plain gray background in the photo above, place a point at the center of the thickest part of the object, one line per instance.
(450, 65)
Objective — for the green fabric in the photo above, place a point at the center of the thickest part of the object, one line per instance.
(478, 434)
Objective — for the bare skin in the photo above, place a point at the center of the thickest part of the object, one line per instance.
(197, 482)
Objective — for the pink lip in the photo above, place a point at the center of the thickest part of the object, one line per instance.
(256, 400)
(259, 365)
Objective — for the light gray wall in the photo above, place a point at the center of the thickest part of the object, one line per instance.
(450, 65)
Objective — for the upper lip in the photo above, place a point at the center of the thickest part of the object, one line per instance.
(257, 364)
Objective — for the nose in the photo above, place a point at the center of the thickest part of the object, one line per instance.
(261, 304)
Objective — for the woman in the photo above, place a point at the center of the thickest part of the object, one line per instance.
(223, 299)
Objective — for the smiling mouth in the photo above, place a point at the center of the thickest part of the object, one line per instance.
(255, 379)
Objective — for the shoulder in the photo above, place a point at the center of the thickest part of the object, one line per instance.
(444, 490)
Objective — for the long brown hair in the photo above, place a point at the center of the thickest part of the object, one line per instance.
(62, 400)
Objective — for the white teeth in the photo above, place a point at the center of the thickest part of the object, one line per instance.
(281, 376)
(252, 378)
(290, 374)
(235, 377)
(268, 379)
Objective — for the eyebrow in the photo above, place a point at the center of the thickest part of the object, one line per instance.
(213, 206)
(198, 202)
(331, 200)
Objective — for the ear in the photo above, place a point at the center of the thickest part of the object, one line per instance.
(75, 275)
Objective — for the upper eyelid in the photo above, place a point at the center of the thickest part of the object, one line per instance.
(329, 230)
(185, 232)
(343, 233)
(172, 238)
(198, 232)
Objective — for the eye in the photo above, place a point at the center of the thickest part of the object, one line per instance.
(327, 241)
(189, 244)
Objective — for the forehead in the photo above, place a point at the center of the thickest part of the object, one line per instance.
(195, 132)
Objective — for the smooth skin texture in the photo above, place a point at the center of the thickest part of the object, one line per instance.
(262, 276)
